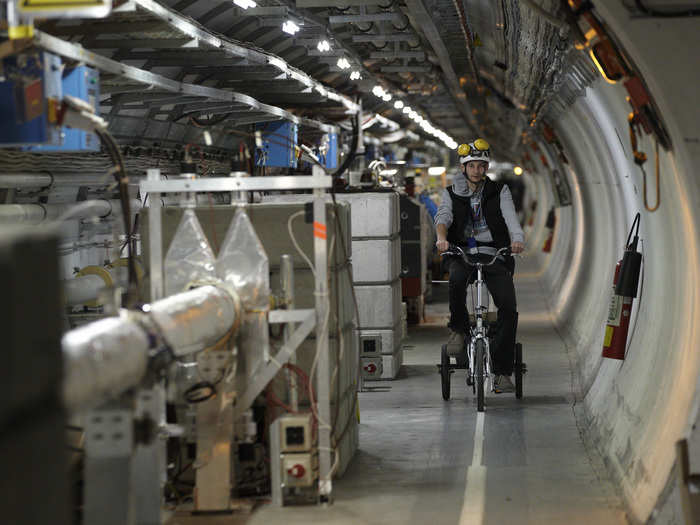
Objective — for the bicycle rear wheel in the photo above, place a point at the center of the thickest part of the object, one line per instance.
(518, 370)
(445, 373)
(480, 349)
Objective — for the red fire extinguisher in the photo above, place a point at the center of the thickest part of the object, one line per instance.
(624, 291)
(551, 223)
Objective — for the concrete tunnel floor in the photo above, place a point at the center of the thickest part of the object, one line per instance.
(415, 463)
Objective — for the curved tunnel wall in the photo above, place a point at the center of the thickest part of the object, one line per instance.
(637, 409)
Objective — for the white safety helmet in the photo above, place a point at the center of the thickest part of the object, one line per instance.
(477, 150)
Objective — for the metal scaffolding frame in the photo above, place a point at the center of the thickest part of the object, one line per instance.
(309, 319)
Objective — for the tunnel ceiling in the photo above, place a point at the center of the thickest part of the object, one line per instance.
(474, 67)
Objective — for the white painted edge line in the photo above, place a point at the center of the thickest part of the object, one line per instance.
(475, 491)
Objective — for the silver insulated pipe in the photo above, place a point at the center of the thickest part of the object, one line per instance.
(105, 358)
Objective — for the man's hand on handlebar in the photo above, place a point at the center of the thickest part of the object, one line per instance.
(442, 245)
(517, 247)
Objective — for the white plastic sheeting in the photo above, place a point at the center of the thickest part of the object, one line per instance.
(190, 259)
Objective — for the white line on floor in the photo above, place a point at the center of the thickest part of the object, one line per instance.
(475, 491)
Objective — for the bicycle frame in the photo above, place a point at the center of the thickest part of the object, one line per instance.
(478, 332)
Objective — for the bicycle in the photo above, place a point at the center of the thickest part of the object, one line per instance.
(477, 360)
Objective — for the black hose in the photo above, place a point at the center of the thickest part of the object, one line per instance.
(633, 246)
(120, 176)
(353, 147)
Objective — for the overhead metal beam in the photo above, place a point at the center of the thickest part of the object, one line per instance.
(107, 28)
(377, 17)
(396, 37)
(423, 20)
(337, 3)
(406, 69)
(266, 11)
(153, 43)
(391, 55)
(76, 52)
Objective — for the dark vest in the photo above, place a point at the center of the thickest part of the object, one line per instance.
(491, 206)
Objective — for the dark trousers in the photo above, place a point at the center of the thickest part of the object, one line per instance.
(499, 282)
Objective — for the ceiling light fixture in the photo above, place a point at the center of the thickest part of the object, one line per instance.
(323, 46)
(343, 63)
(386, 97)
(290, 27)
(245, 4)
(398, 104)
(355, 75)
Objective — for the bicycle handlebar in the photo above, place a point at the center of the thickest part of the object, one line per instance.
(455, 250)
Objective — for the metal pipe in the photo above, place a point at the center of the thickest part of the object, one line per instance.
(86, 288)
(46, 179)
(83, 289)
(287, 285)
(38, 213)
(25, 180)
(105, 358)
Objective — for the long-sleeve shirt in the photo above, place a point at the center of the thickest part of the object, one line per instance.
(481, 233)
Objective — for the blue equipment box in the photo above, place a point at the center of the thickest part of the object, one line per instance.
(84, 83)
(31, 78)
(279, 144)
(330, 159)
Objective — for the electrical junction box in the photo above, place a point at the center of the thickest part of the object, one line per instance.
(372, 368)
(371, 345)
(295, 433)
(299, 470)
(279, 144)
(84, 83)
(329, 151)
(31, 78)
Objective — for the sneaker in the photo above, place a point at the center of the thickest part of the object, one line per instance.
(503, 384)
(455, 343)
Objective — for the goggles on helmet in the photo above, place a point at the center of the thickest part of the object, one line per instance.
(477, 150)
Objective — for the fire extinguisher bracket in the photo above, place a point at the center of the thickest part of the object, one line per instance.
(631, 264)
(629, 274)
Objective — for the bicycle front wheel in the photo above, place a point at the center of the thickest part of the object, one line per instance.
(445, 373)
(479, 351)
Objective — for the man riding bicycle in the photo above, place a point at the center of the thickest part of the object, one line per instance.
(478, 215)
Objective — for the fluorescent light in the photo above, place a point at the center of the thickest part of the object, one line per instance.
(290, 27)
(518, 170)
(343, 63)
(245, 4)
(377, 91)
(355, 75)
(323, 46)
(389, 173)
(386, 97)
(406, 109)
(436, 170)
(398, 104)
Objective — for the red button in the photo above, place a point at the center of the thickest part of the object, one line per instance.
(371, 368)
(297, 471)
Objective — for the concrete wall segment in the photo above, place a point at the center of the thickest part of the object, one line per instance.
(639, 408)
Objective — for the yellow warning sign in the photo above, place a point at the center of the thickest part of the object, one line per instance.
(608, 336)
(59, 5)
